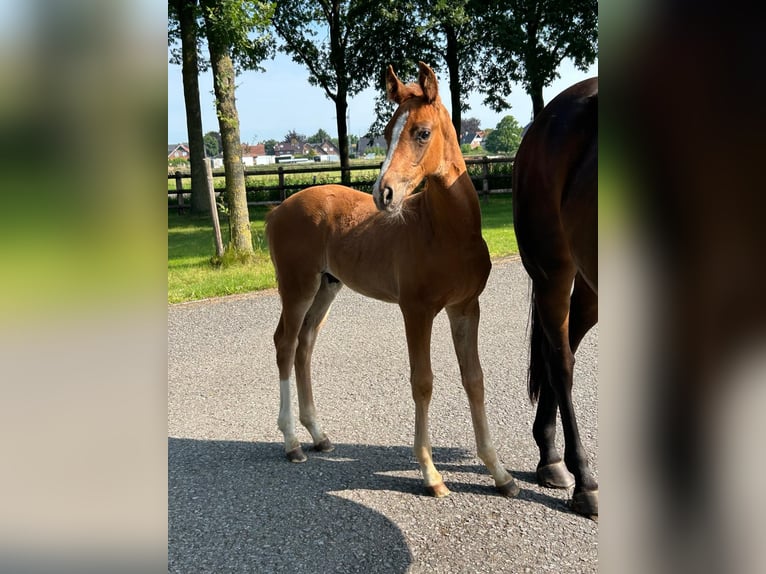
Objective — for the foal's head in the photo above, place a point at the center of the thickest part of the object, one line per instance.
(421, 140)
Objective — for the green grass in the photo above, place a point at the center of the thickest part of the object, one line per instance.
(191, 246)
(497, 226)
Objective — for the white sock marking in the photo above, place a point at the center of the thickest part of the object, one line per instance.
(286, 421)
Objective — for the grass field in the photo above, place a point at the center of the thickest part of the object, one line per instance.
(190, 248)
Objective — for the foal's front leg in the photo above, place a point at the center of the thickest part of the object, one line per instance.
(464, 322)
(418, 324)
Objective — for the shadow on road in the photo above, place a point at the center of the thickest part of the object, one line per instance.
(241, 506)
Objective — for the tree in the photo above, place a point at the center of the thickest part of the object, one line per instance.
(345, 45)
(455, 29)
(236, 32)
(469, 126)
(505, 138)
(182, 26)
(294, 138)
(528, 39)
(212, 143)
(269, 146)
(319, 137)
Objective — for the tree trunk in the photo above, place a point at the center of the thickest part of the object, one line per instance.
(338, 59)
(189, 71)
(341, 108)
(453, 66)
(228, 120)
(533, 66)
(536, 93)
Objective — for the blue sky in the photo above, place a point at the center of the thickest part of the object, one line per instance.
(272, 103)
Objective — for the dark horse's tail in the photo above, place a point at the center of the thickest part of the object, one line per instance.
(538, 345)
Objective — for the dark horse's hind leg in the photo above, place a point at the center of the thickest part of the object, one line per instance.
(562, 337)
(551, 470)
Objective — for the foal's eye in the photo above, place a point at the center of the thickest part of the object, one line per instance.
(423, 135)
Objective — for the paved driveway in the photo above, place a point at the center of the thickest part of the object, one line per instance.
(236, 504)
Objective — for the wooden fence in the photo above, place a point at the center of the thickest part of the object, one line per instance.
(489, 175)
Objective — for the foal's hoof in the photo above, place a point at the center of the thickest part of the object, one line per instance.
(437, 490)
(585, 503)
(296, 455)
(324, 446)
(509, 489)
(555, 475)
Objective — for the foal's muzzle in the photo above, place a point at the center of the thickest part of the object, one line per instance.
(383, 197)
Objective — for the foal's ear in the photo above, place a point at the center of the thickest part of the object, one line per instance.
(428, 83)
(393, 86)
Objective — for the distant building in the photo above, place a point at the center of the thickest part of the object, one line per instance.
(473, 139)
(178, 151)
(326, 148)
(251, 153)
(364, 144)
(292, 148)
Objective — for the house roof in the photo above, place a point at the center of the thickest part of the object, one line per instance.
(470, 137)
(253, 150)
(174, 147)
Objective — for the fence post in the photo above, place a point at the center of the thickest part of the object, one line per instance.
(213, 208)
(180, 189)
(485, 179)
(282, 190)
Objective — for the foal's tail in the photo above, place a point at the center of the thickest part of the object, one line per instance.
(538, 343)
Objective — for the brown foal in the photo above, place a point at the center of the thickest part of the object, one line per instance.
(423, 251)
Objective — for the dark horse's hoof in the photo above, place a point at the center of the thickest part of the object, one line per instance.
(296, 455)
(555, 475)
(509, 489)
(324, 446)
(586, 503)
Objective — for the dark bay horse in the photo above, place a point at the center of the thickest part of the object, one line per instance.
(423, 251)
(555, 213)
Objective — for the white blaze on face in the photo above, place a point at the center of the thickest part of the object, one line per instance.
(395, 135)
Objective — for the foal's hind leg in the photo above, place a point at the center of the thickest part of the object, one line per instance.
(464, 322)
(313, 321)
(297, 298)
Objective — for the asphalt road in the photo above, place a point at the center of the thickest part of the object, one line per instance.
(235, 504)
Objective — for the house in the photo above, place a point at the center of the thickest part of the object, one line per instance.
(250, 153)
(364, 144)
(292, 148)
(473, 139)
(326, 148)
(176, 151)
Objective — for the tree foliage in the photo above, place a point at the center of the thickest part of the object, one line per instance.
(345, 46)
(455, 30)
(505, 138)
(470, 126)
(243, 26)
(319, 137)
(528, 39)
(293, 137)
(269, 146)
(212, 143)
